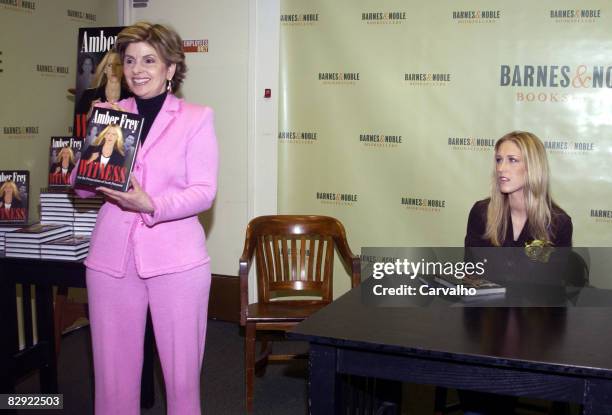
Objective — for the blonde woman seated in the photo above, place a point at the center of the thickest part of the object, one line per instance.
(520, 209)
(107, 148)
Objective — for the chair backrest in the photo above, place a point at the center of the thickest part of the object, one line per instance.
(295, 255)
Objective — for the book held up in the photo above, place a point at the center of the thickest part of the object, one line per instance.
(110, 149)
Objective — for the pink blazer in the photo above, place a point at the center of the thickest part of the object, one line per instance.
(177, 167)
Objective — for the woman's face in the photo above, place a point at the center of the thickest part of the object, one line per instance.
(113, 68)
(65, 155)
(129, 141)
(145, 71)
(8, 195)
(87, 65)
(110, 137)
(510, 168)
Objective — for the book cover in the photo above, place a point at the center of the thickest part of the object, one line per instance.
(93, 44)
(14, 196)
(482, 285)
(63, 154)
(108, 160)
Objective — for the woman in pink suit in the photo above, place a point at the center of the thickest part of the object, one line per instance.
(148, 248)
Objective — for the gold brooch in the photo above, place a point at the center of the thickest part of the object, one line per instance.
(538, 250)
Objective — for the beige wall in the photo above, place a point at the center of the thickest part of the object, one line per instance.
(217, 78)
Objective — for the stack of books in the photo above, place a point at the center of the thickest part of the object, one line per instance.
(3, 231)
(26, 242)
(63, 207)
(85, 215)
(70, 248)
(57, 207)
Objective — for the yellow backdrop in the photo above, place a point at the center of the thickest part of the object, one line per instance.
(389, 111)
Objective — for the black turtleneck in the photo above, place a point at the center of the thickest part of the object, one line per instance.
(149, 108)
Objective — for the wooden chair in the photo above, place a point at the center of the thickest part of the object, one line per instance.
(294, 257)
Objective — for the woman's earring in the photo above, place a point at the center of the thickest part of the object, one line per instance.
(169, 85)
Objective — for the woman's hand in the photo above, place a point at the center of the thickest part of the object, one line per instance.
(91, 107)
(136, 199)
(116, 107)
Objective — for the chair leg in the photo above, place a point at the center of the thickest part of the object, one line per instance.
(262, 360)
(249, 363)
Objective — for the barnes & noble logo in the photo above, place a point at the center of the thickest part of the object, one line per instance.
(555, 76)
(339, 78)
(569, 146)
(576, 15)
(52, 70)
(343, 199)
(427, 79)
(562, 77)
(20, 132)
(195, 46)
(380, 140)
(429, 205)
(476, 16)
(471, 143)
(80, 15)
(371, 259)
(600, 215)
(23, 5)
(297, 137)
(305, 19)
(383, 17)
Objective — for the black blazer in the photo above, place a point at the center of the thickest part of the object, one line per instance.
(561, 228)
(55, 166)
(15, 204)
(91, 94)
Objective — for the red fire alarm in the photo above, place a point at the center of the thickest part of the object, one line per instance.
(267, 93)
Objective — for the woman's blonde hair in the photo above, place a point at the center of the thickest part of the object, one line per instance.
(118, 144)
(536, 191)
(163, 39)
(58, 158)
(10, 185)
(100, 78)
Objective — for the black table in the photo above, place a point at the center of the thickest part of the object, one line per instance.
(558, 354)
(44, 274)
